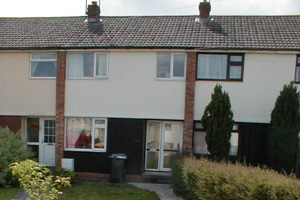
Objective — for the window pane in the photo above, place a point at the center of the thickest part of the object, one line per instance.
(100, 121)
(179, 65)
(163, 65)
(298, 60)
(43, 56)
(32, 130)
(80, 65)
(297, 74)
(199, 145)
(43, 69)
(172, 136)
(167, 159)
(99, 140)
(153, 134)
(35, 151)
(79, 133)
(212, 66)
(236, 58)
(152, 160)
(235, 72)
(234, 140)
(101, 65)
(199, 125)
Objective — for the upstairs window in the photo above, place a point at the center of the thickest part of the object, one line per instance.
(170, 66)
(43, 65)
(87, 65)
(297, 76)
(220, 67)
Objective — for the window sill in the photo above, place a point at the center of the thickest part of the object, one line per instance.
(87, 150)
(42, 78)
(223, 80)
(88, 78)
(170, 79)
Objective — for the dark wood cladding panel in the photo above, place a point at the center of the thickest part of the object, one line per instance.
(253, 143)
(123, 136)
(12, 122)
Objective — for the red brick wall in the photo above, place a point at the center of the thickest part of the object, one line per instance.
(60, 107)
(189, 102)
(12, 122)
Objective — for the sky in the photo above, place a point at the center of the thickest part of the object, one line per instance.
(49, 8)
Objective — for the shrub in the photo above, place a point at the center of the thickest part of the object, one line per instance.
(60, 171)
(208, 180)
(12, 149)
(36, 181)
(177, 183)
(218, 122)
(284, 129)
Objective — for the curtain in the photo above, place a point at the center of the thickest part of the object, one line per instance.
(75, 65)
(235, 72)
(33, 68)
(75, 126)
(212, 66)
(101, 65)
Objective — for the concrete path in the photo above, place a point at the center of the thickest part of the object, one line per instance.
(162, 190)
(20, 195)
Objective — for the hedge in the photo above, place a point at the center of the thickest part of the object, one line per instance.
(207, 180)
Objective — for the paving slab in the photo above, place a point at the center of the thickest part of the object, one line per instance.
(164, 191)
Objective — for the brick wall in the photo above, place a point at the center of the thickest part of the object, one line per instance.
(189, 102)
(12, 122)
(60, 107)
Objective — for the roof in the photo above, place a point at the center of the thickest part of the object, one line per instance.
(224, 32)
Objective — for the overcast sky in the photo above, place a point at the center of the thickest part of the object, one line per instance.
(36, 8)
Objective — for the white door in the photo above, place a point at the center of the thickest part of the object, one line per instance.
(163, 140)
(40, 136)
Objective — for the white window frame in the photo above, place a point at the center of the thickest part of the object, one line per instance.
(41, 60)
(171, 67)
(94, 74)
(104, 150)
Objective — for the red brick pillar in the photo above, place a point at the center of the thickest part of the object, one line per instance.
(60, 107)
(189, 102)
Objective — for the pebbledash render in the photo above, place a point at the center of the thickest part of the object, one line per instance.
(83, 88)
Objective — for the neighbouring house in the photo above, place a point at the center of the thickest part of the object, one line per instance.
(87, 87)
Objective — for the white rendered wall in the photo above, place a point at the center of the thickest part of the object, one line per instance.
(253, 99)
(20, 95)
(130, 91)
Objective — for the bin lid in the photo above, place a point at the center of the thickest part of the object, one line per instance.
(118, 156)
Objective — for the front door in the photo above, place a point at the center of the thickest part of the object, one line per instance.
(40, 136)
(163, 140)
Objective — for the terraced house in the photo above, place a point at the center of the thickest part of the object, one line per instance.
(83, 88)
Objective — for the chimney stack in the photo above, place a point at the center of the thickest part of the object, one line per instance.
(93, 12)
(204, 9)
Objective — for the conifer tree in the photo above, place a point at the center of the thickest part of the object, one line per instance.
(217, 120)
(284, 129)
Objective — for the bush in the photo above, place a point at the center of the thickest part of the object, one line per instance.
(12, 149)
(218, 122)
(203, 179)
(284, 129)
(36, 180)
(60, 171)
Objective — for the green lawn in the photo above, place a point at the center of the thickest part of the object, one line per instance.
(8, 193)
(99, 191)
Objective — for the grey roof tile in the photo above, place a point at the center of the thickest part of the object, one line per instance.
(224, 32)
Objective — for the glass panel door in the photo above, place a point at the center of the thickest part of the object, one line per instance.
(152, 145)
(171, 137)
(32, 136)
(163, 140)
(47, 155)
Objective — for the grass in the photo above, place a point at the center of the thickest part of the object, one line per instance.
(101, 191)
(8, 193)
